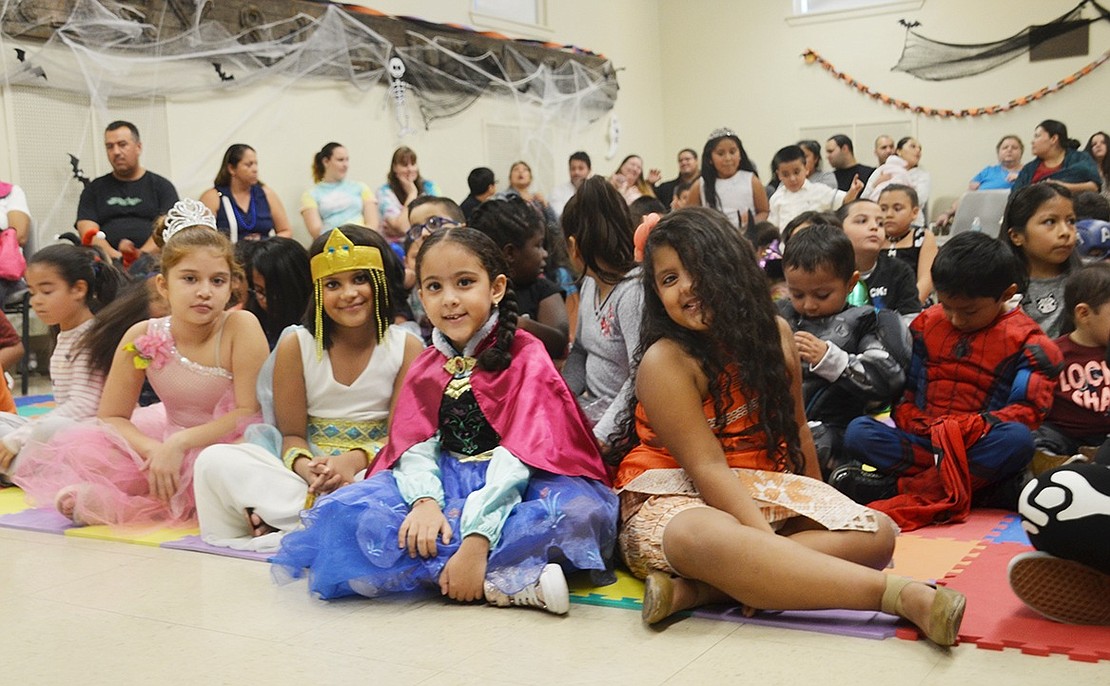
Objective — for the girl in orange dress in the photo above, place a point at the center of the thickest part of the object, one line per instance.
(721, 498)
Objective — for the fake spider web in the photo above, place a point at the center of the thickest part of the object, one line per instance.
(124, 56)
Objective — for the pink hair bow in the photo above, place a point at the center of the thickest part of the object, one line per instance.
(639, 239)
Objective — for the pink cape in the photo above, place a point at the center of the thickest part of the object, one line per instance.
(528, 405)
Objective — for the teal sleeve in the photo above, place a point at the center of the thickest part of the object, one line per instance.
(417, 472)
(488, 507)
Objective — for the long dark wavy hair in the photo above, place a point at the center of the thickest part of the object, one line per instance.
(743, 335)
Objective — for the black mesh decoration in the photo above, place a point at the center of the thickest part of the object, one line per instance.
(933, 60)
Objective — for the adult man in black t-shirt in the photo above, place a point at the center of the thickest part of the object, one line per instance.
(842, 158)
(125, 203)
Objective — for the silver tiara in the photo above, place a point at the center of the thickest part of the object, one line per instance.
(185, 214)
(721, 133)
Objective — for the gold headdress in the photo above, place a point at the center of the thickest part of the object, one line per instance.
(341, 255)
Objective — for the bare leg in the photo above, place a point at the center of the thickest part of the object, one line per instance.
(869, 548)
(773, 572)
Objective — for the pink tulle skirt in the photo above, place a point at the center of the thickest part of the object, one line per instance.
(107, 477)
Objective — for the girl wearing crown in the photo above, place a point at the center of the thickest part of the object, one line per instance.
(334, 382)
(202, 362)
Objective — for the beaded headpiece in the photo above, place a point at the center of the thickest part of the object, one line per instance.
(185, 214)
(341, 255)
(722, 133)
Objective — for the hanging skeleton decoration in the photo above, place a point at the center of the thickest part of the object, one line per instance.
(398, 91)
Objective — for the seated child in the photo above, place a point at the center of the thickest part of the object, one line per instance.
(1039, 227)
(807, 219)
(278, 283)
(11, 352)
(682, 194)
(69, 284)
(980, 380)
(1091, 205)
(202, 361)
(491, 479)
(520, 233)
(333, 381)
(853, 358)
(1066, 578)
(599, 236)
(913, 244)
(798, 194)
(719, 495)
(885, 282)
(1080, 414)
(427, 214)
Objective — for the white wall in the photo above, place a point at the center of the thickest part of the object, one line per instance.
(288, 124)
(739, 64)
(686, 67)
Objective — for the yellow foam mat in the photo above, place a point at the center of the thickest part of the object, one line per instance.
(12, 500)
(124, 535)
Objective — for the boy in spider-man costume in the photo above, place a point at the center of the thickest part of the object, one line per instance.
(980, 380)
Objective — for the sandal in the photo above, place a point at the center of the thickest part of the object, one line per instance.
(945, 615)
(658, 597)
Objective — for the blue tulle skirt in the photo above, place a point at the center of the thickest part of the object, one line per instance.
(351, 534)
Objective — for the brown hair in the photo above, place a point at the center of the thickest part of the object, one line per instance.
(190, 239)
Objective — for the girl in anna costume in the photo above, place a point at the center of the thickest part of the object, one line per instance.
(491, 481)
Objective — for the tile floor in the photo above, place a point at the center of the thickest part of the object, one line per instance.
(96, 612)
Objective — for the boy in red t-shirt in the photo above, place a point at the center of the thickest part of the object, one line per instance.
(1080, 413)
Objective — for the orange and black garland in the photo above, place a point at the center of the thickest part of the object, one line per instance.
(812, 57)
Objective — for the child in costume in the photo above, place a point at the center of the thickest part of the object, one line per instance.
(203, 363)
(721, 497)
(980, 380)
(334, 380)
(490, 476)
(853, 358)
(68, 285)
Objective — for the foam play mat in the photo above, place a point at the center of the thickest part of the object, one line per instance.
(969, 556)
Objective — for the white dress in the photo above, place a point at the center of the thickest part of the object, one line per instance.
(230, 478)
(734, 196)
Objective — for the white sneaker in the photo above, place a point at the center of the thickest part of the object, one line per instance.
(549, 593)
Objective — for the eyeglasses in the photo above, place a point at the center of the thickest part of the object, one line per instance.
(432, 225)
(258, 293)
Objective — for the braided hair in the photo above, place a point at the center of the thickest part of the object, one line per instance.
(498, 356)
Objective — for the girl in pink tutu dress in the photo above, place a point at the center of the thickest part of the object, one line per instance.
(202, 362)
